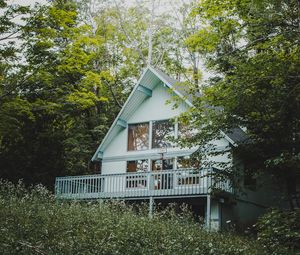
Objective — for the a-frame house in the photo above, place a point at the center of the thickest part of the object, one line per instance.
(139, 161)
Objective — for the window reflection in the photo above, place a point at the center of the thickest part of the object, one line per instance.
(138, 136)
(185, 131)
(187, 162)
(162, 131)
(165, 164)
(137, 165)
(137, 180)
(163, 180)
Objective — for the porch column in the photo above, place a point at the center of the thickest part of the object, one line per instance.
(151, 205)
(208, 211)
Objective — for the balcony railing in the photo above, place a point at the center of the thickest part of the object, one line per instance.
(184, 182)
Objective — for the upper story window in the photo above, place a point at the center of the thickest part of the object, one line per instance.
(162, 131)
(185, 131)
(138, 136)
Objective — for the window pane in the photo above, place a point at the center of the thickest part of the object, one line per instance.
(185, 132)
(138, 137)
(189, 177)
(187, 162)
(162, 131)
(137, 180)
(166, 164)
(137, 165)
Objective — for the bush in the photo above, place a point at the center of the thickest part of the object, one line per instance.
(33, 222)
(279, 231)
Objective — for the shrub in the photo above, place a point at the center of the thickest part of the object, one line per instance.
(279, 231)
(33, 222)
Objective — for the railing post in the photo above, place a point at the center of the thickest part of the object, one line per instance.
(56, 187)
(148, 182)
(151, 205)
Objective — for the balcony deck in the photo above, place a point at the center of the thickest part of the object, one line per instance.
(166, 183)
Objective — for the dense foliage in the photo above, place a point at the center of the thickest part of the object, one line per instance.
(252, 49)
(279, 231)
(66, 69)
(53, 106)
(32, 222)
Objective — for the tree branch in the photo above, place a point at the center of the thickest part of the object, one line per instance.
(113, 94)
(8, 36)
(121, 22)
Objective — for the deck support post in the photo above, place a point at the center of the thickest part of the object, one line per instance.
(151, 205)
(208, 211)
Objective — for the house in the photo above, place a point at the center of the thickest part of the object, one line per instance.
(139, 162)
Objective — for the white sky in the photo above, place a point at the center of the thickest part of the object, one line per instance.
(163, 6)
(27, 2)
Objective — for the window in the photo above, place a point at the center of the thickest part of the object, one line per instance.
(185, 131)
(138, 136)
(187, 162)
(137, 180)
(162, 131)
(163, 180)
(190, 177)
(165, 164)
(137, 166)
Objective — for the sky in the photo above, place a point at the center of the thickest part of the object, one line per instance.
(27, 2)
(162, 6)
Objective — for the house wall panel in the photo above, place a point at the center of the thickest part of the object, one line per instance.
(153, 108)
(156, 108)
(114, 167)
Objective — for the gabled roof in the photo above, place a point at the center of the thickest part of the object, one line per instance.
(236, 136)
(150, 78)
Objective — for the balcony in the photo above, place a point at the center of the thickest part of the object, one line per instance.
(166, 183)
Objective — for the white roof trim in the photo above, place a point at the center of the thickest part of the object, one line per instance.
(118, 116)
(170, 86)
(229, 139)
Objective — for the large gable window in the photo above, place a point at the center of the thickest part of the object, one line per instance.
(185, 131)
(162, 132)
(138, 137)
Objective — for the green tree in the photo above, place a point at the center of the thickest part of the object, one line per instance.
(51, 122)
(252, 48)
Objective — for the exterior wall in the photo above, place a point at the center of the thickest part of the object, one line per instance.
(114, 167)
(243, 210)
(245, 214)
(154, 108)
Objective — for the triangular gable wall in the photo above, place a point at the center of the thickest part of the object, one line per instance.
(150, 78)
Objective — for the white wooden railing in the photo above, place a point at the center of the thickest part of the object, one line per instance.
(183, 182)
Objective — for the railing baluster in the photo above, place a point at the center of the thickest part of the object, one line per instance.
(140, 184)
(61, 185)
